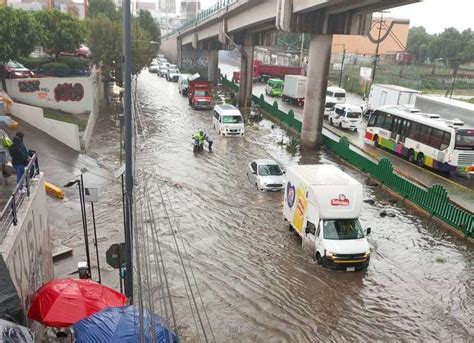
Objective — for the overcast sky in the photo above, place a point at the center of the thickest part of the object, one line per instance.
(434, 15)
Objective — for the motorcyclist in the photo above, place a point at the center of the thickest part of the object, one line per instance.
(200, 137)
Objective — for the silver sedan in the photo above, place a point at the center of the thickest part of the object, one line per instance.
(266, 175)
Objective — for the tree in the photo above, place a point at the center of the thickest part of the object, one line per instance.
(105, 43)
(62, 32)
(105, 7)
(418, 43)
(147, 23)
(19, 35)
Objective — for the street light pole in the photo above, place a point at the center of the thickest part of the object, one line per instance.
(377, 48)
(127, 110)
(342, 64)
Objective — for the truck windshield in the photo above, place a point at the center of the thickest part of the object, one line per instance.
(201, 93)
(231, 119)
(270, 169)
(353, 115)
(340, 229)
(465, 139)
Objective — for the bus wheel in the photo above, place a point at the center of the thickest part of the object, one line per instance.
(411, 156)
(420, 160)
(376, 141)
(318, 258)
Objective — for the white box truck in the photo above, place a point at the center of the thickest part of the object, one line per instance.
(294, 89)
(322, 205)
(381, 95)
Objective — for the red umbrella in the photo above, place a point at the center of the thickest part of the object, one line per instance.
(63, 302)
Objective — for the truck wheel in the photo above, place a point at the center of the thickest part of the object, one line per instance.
(411, 156)
(376, 141)
(318, 258)
(256, 186)
(420, 160)
(330, 121)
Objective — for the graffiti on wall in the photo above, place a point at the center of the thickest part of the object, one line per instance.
(190, 63)
(68, 92)
(29, 86)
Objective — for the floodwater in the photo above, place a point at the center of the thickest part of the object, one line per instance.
(256, 281)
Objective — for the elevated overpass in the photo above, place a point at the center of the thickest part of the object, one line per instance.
(248, 23)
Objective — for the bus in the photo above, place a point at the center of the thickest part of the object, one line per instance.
(424, 139)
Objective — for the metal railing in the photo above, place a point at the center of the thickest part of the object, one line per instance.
(218, 6)
(21, 191)
(434, 199)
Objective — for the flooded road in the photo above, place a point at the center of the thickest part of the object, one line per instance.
(257, 283)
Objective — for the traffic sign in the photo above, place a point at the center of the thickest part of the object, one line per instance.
(115, 255)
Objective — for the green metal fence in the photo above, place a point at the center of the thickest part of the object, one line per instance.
(434, 200)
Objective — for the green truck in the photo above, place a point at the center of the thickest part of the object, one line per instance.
(274, 87)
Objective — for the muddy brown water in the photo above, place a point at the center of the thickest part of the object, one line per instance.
(256, 281)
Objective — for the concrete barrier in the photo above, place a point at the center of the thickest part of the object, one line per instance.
(25, 252)
(66, 133)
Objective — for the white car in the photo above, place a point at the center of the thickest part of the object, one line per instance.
(173, 74)
(162, 71)
(153, 68)
(346, 116)
(266, 175)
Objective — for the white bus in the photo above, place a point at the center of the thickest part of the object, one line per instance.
(426, 140)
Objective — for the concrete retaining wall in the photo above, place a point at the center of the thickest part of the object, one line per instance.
(26, 248)
(66, 133)
(70, 95)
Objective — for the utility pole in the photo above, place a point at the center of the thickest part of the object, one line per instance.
(377, 48)
(342, 63)
(127, 111)
(455, 74)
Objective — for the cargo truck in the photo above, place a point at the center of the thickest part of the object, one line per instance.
(322, 205)
(294, 89)
(263, 72)
(199, 94)
(381, 95)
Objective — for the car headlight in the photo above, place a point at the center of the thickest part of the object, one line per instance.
(367, 253)
(328, 254)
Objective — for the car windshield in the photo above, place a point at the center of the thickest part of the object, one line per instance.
(465, 139)
(231, 119)
(353, 115)
(341, 229)
(12, 64)
(269, 169)
(201, 93)
(173, 71)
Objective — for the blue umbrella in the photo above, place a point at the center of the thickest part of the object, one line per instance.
(121, 324)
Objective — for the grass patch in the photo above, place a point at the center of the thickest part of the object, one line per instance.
(78, 119)
(440, 259)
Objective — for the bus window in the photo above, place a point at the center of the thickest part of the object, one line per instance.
(414, 131)
(446, 141)
(406, 127)
(372, 119)
(436, 138)
(387, 124)
(380, 119)
(425, 133)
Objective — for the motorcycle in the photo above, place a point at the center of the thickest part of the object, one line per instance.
(198, 146)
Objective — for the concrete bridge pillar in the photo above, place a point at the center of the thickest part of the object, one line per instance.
(315, 98)
(246, 79)
(213, 66)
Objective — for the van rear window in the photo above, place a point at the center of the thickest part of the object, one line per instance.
(339, 95)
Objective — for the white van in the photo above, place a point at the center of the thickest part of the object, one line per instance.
(183, 82)
(322, 205)
(228, 120)
(346, 116)
(334, 96)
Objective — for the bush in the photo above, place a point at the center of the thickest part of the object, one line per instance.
(35, 62)
(55, 67)
(74, 62)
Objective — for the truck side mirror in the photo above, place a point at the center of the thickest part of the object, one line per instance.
(254, 172)
(369, 230)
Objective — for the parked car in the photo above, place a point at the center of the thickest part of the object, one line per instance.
(153, 68)
(346, 116)
(173, 74)
(15, 70)
(183, 83)
(266, 175)
(162, 71)
(83, 51)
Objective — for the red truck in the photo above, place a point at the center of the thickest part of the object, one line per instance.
(263, 72)
(199, 94)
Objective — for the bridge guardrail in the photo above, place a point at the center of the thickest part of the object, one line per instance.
(219, 5)
(434, 199)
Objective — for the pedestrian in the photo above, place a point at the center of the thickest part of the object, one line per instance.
(4, 157)
(29, 153)
(19, 158)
